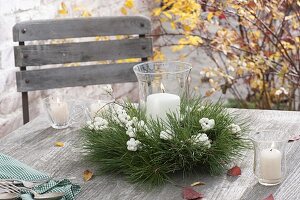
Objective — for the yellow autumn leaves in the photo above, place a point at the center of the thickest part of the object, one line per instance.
(246, 41)
(87, 174)
(59, 144)
(184, 13)
(128, 4)
(180, 13)
(64, 10)
(188, 40)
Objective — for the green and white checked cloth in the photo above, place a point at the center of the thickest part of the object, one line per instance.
(11, 168)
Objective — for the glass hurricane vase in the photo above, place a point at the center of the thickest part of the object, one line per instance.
(269, 157)
(162, 85)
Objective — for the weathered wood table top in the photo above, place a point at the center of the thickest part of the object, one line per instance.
(33, 144)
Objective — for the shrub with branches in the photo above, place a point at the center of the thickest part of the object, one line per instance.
(254, 45)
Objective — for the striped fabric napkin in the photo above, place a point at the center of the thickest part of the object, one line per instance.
(11, 168)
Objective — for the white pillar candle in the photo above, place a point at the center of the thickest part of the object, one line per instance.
(60, 112)
(270, 165)
(159, 104)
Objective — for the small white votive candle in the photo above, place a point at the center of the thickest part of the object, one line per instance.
(270, 165)
(159, 104)
(59, 112)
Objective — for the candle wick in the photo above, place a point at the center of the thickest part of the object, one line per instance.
(162, 88)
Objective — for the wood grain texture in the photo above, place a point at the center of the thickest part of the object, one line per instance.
(36, 55)
(82, 51)
(33, 144)
(74, 76)
(80, 27)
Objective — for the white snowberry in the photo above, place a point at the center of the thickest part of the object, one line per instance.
(166, 135)
(207, 124)
(132, 144)
(234, 128)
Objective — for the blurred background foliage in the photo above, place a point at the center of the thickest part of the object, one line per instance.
(253, 46)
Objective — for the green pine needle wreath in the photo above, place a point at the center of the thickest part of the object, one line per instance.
(123, 140)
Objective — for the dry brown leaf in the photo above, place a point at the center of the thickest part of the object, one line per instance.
(270, 197)
(188, 193)
(59, 144)
(294, 138)
(235, 171)
(87, 175)
(198, 183)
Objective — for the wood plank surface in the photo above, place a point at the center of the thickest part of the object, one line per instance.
(80, 27)
(36, 55)
(33, 144)
(74, 76)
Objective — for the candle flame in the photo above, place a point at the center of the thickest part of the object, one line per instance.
(162, 88)
(273, 145)
(58, 100)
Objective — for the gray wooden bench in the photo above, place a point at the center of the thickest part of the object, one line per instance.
(43, 52)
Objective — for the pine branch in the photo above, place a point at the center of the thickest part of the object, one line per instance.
(154, 162)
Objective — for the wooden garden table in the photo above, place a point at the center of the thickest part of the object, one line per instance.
(33, 144)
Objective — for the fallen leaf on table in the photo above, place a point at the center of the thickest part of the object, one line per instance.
(235, 171)
(197, 183)
(87, 175)
(270, 197)
(294, 138)
(188, 193)
(59, 144)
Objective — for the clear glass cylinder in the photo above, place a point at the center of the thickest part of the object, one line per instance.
(59, 111)
(269, 157)
(161, 86)
(63, 112)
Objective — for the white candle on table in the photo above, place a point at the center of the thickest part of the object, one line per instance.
(159, 104)
(270, 165)
(60, 112)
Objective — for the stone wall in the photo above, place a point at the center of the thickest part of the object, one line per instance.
(14, 11)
